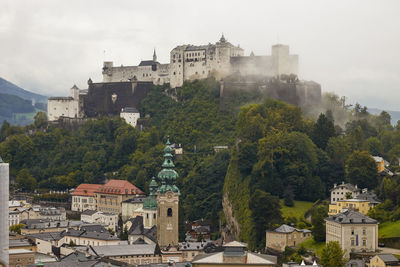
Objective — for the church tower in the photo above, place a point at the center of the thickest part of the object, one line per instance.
(167, 202)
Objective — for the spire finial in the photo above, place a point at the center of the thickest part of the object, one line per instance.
(154, 55)
(222, 40)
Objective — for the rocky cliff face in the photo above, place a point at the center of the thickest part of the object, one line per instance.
(232, 229)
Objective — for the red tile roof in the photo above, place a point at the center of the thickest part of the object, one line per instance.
(86, 190)
(120, 187)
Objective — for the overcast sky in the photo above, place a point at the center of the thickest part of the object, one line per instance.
(349, 47)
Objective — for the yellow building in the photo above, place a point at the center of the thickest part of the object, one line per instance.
(383, 260)
(285, 236)
(360, 205)
(380, 163)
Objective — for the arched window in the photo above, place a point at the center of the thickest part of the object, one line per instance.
(169, 212)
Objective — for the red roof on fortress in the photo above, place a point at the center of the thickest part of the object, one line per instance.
(86, 190)
(120, 187)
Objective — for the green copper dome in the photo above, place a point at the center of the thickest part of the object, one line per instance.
(168, 175)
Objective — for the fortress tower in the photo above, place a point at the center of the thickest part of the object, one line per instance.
(167, 202)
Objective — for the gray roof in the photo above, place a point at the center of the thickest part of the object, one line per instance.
(351, 217)
(130, 110)
(147, 63)
(89, 212)
(284, 228)
(355, 263)
(19, 243)
(124, 250)
(61, 98)
(347, 186)
(372, 198)
(192, 245)
(388, 258)
(50, 236)
(135, 200)
(102, 235)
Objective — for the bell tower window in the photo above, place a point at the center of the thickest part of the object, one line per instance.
(169, 212)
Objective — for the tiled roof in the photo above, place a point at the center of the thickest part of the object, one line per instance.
(347, 186)
(388, 258)
(351, 217)
(372, 198)
(90, 234)
(147, 63)
(124, 250)
(89, 212)
(120, 187)
(86, 190)
(251, 258)
(284, 228)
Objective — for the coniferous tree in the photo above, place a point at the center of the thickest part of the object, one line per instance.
(332, 255)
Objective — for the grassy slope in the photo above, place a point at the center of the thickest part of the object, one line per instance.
(389, 229)
(317, 247)
(298, 210)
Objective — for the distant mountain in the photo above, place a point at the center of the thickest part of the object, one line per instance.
(9, 88)
(393, 113)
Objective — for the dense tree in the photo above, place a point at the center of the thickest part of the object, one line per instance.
(25, 181)
(263, 218)
(323, 130)
(318, 214)
(361, 170)
(332, 255)
(40, 120)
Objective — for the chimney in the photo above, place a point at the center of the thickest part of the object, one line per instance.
(365, 190)
(334, 185)
(356, 186)
(342, 182)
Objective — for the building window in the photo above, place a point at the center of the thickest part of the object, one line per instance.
(352, 242)
(169, 212)
(364, 242)
(364, 231)
(352, 231)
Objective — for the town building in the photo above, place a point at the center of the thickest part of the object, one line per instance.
(137, 233)
(111, 195)
(130, 115)
(234, 254)
(295, 264)
(355, 263)
(52, 213)
(21, 243)
(150, 206)
(130, 207)
(285, 236)
(45, 241)
(84, 197)
(354, 231)
(360, 205)
(198, 229)
(371, 197)
(380, 163)
(21, 257)
(4, 219)
(132, 254)
(344, 191)
(191, 249)
(13, 217)
(33, 226)
(384, 260)
(109, 220)
(83, 237)
(167, 202)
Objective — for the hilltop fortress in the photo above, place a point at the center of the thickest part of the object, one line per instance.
(123, 87)
(190, 62)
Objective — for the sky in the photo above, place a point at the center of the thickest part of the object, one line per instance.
(350, 47)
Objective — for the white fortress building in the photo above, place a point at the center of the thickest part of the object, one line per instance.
(190, 62)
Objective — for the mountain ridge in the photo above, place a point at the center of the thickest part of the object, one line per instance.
(9, 88)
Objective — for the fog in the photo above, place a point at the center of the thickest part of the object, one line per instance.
(349, 47)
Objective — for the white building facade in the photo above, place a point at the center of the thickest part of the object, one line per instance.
(4, 219)
(69, 107)
(341, 191)
(130, 115)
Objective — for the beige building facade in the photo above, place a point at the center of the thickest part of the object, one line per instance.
(384, 260)
(285, 236)
(21, 257)
(360, 205)
(354, 231)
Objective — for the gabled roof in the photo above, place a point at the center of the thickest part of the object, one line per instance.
(388, 258)
(120, 187)
(86, 190)
(284, 228)
(347, 186)
(89, 212)
(148, 63)
(351, 217)
(124, 250)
